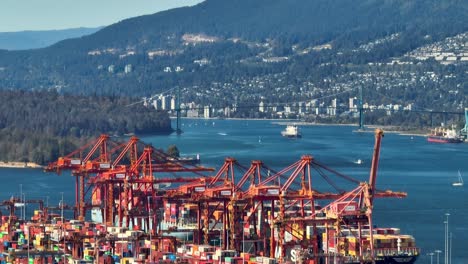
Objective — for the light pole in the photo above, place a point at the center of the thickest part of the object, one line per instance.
(446, 222)
(61, 208)
(450, 250)
(431, 255)
(29, 238)
(243, 243)
(438, 252)
(21, 198)
(149, 226)
(445, 242)
(63, 237)
(24, 206)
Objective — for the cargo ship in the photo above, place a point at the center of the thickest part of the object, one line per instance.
(389, 246)
(291, 131)
(444, 135)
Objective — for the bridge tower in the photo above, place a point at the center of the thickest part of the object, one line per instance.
(464, 130)
(361, 112)
(178, 129)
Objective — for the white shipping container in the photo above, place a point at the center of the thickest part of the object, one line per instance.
(75, 162)
(199, 189)
(122, 235)
(104, 165)
(226, 193)
(273, 191)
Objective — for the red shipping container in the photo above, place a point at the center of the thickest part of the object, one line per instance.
(331, 238)
(345, 208)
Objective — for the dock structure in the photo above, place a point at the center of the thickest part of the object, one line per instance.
(237, 214)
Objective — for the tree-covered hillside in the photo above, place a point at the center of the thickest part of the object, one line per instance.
(346, 22)
(40, 126)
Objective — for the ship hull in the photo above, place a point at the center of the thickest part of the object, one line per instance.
(291, 136)
(394, 260)
(437, 139)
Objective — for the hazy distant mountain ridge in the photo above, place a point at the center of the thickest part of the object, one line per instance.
(23, 40)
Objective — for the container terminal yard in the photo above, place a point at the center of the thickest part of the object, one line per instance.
(135, 204)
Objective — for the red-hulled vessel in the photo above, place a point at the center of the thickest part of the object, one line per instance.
(444, 135)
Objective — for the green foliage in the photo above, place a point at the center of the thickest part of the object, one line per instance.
(173, 151)
(40, 126)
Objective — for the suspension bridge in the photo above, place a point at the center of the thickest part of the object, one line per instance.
(359, 109)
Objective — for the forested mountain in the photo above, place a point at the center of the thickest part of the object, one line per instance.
(345, 22)
(23, 40)
(39, 126)
(233, 35)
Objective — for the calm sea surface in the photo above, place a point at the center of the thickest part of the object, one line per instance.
(424, 170)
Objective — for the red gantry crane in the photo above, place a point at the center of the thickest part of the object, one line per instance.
(122, 169)
(272, 211)
(77, 163)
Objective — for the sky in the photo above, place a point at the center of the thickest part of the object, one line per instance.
(19, 15)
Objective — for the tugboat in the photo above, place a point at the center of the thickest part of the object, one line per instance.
(291, 131)
(444, 135)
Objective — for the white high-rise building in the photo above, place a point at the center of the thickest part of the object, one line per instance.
(165, 102)
(227, 111)
(157, 104)
(261, 107)
(352, 105)
(173, 103)
(332, 108)
(300, 107)
(128, 68)
(206, 111)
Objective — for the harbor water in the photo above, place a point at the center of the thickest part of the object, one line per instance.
(409, 164)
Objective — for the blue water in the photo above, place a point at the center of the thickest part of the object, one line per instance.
(409, 164)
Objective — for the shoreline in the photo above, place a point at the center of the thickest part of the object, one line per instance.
(284, 122)
(281, 122)
(20, 165)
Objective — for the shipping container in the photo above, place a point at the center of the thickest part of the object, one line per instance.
(345, 208)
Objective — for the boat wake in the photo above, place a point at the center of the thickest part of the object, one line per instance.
(358, 161)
